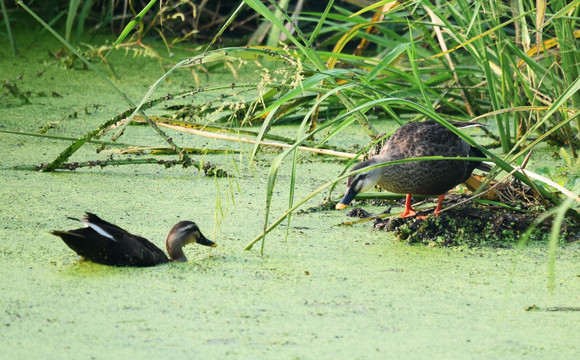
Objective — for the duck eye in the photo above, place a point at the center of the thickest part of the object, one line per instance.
(356, 179)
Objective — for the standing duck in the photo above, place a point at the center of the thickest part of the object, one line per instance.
(429, 177)
(108, 244)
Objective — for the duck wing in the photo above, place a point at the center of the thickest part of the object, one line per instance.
(138, 250)
(141, 252)
(426, 138)
(420, 139)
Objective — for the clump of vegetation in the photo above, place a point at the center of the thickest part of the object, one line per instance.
(13, 90)
(512, 218)
(475, 226)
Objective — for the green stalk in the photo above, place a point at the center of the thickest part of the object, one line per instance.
(274, 35)
(73, 7)
(138, 18)
(411, 52)
(568, 52)
(82, 18)
(8, 28)
(225, 26)
(554, 239)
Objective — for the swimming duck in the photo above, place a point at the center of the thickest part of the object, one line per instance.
(433, 177)
(108, 244)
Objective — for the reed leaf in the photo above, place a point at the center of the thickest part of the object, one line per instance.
(73, 7)
(131, 25)
(8, 27)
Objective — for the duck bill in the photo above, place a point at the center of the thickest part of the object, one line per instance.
(206, 242)
(347, 198)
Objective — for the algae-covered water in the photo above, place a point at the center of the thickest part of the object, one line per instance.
(324, 291)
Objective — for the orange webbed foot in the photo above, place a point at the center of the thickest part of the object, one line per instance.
(408, 213)
(408, 209)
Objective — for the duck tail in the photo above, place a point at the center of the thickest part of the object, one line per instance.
(481, 165)
(465, 124)
(484, 167)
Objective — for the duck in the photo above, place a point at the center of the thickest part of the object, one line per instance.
(429, 177)
(105, 243)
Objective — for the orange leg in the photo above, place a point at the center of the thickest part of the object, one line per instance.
(439, 202)
(408, 209)
(410, 212)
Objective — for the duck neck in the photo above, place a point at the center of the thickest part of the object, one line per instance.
(175, 250)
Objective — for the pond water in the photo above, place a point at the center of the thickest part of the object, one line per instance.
(320, 290)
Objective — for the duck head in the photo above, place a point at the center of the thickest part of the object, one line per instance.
(360, 182)
(183, 233)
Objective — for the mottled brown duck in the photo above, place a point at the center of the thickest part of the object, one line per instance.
(108, 244)
(432, 178)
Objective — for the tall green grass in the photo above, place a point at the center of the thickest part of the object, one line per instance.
(454, 60)
(512, 66)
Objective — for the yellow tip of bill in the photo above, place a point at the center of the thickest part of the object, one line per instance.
(340, 206)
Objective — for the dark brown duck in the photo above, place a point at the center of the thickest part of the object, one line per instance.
(108, 244)
(435, 177)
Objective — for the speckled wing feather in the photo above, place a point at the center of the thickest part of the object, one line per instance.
(425, 177)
